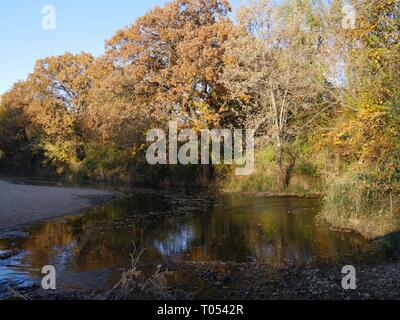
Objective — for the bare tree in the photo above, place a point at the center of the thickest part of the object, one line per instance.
(276, 72)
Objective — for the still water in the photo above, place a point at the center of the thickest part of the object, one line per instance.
(92, 250)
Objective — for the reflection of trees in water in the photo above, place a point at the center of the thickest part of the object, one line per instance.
(264, 230)
(82, 247)
(99, 239)
(260, 228)
(175, 243)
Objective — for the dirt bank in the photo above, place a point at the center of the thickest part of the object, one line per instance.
(24, 204)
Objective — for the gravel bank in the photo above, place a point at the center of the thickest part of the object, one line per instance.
(24, 204)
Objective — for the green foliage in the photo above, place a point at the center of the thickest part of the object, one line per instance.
(304, 179)
(105, 163)
(266, 154)
(308, 169)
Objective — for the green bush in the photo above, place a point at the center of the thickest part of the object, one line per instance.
(308, 169)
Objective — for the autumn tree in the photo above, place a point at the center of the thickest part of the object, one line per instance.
(165, 66)
(276, 71)
(170, 59)
(367, 135)
(18, 138)
(59, 87)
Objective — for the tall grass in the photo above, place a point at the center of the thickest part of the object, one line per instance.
(350, 204)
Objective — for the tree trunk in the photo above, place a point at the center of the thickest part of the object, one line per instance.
(281, 173)
(288, 175)
(284, 172)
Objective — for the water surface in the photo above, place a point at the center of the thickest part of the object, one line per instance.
(92, 249)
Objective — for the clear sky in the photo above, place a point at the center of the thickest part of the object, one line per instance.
(81, 25)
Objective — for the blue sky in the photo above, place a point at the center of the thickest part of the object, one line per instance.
(82, 25)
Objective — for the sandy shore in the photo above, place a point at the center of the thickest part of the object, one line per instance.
(24, 204)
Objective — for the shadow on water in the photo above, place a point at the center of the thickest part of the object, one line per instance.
(92, 250)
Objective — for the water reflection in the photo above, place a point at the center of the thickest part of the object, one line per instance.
(91, 249)
(175, 244)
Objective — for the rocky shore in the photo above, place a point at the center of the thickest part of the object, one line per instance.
(251, 281)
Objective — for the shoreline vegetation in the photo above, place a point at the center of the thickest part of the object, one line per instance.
(322, 99)
(373, 215)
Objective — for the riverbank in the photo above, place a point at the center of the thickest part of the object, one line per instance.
(25, 204)
(251, 281)
(311, 195)
(377, 280)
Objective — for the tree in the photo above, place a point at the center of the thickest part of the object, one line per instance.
(59, 87)
(277, 72)
(18, 137)
(367, 135)
(169, 61)
(165, 66)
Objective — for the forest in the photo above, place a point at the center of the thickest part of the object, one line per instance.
(321, 94)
